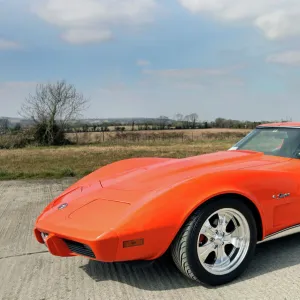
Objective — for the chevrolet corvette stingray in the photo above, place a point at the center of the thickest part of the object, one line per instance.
(210, 210)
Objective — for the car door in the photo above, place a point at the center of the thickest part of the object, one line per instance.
(286, 195)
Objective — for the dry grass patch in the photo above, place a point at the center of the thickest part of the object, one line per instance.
(151, 136)
(77, 161)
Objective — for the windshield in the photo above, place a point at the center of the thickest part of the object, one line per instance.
(279, 141)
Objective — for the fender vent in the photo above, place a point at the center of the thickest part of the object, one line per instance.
(80, 249)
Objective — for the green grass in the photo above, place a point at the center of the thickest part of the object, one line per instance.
(78, 161)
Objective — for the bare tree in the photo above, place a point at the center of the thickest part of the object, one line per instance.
(186, 122)
(52, 107)
(179, 117)
(163, 121)
(4, 125)
(220, 122)
(193, 119)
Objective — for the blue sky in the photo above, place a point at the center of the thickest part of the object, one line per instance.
(149, 58)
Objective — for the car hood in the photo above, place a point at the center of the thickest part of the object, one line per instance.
(125, 184)
(167, 173)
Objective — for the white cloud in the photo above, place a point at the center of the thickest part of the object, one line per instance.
(86, 21)
(276, 18)
(8, 45)
(279, 24)
(143, 63)
(291, 58)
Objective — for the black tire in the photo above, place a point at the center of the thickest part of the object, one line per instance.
(184, 247)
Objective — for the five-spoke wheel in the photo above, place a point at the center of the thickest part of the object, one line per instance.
(223, 241)
(217, 242)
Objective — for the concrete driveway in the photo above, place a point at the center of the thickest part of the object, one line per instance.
(28, 271)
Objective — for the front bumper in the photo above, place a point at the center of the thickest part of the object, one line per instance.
(103, 249)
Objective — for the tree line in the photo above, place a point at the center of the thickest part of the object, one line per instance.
(166, 124)
(55, 109)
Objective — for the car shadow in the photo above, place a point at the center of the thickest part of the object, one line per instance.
(163, 275)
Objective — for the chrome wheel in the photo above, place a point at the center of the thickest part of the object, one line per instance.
(223, 241)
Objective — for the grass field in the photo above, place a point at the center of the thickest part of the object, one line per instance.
(151, 136)
(77, 161)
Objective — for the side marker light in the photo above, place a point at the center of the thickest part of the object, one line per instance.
(133, 243)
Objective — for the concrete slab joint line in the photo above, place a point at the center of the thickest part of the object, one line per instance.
(24, 254)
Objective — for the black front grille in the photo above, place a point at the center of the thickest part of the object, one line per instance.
(79, 248)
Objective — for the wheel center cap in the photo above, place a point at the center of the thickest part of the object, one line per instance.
(219, 240)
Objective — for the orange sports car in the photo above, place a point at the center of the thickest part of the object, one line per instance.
(209, 210)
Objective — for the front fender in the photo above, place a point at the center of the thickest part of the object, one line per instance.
(163, 213)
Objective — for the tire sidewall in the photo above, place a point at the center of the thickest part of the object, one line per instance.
(202, 215)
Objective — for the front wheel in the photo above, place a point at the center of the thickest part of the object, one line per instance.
(217, 242)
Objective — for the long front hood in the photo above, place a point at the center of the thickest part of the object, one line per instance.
(173, 171)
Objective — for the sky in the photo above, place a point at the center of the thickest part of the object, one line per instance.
(146, 58)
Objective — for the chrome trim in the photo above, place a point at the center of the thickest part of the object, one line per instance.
(282, 233)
